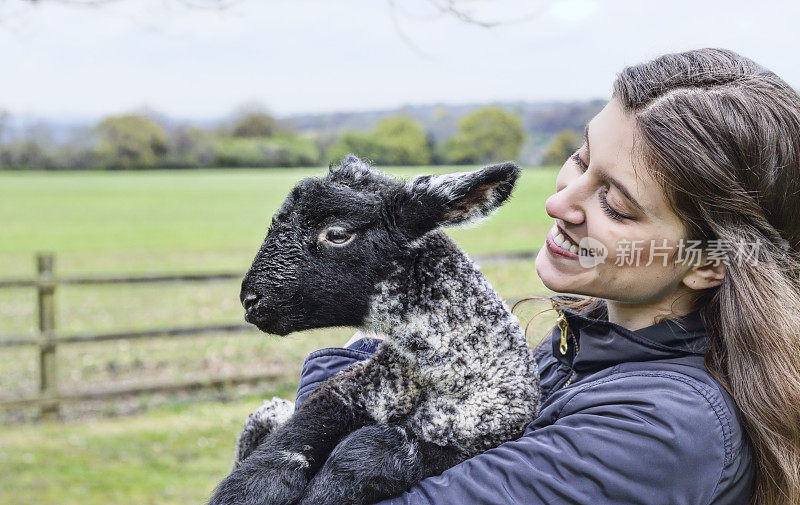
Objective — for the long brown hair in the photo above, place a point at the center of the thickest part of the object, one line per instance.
(721, 135)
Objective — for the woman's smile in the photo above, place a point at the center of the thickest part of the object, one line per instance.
(560, 245)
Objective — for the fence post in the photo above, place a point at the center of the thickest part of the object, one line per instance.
(47, 323)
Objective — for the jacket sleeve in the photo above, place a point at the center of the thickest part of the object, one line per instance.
(323, 363)
(646, 440)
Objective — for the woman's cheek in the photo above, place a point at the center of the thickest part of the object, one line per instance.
(626, 252)
(643, 253)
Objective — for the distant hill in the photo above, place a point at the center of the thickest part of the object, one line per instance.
(542, 120)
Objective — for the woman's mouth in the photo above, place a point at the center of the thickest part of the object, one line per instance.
(559, 245)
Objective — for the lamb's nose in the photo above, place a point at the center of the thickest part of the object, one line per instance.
(249, 300)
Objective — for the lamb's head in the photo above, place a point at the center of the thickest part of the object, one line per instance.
(336, 237)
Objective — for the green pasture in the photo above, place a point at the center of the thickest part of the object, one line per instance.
(166, 449)
(133, 222)
(197, 220)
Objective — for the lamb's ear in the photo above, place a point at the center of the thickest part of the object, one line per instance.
(456, 199)
(350, 164)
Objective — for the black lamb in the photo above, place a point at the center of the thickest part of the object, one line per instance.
(455, 375)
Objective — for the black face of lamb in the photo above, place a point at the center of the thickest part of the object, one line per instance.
(335, 238)
(300, 279)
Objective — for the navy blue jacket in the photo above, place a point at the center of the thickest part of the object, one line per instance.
(627, 417)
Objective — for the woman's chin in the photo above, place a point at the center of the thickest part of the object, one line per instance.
(551, 276)
(558, 279)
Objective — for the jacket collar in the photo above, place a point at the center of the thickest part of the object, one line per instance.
(601, 344)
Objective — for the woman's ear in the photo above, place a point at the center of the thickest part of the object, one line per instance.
(708, 275)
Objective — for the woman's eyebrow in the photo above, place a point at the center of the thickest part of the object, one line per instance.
(604, 175)
(621, 189)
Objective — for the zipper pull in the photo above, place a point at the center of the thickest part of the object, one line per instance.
(564, 327)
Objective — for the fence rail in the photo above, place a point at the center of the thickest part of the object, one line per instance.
(158, 387)
(49, 398)
(116, 279)
(23, 340)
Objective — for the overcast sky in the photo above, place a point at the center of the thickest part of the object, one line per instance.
(297, 56)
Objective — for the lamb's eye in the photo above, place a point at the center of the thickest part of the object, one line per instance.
(336, 236)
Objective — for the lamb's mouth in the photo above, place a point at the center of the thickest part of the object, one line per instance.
(269, 323)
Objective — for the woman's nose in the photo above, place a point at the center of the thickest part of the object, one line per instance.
(565, 206)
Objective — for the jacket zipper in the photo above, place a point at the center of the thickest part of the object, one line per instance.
(564, 327)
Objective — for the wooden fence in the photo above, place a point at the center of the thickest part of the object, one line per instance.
(49, 397)
(46, 283)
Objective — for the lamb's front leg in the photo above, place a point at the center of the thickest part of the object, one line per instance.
(276, 473)
(261, 423)
(376, 462)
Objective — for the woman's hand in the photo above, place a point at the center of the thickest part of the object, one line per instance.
(364, 334)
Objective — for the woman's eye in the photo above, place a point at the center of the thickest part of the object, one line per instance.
(577, 159)
(610, 212)
(337, 236)
(613, 214)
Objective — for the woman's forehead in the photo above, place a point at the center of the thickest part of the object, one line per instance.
(612, 146)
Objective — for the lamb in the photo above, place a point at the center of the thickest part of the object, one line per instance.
(455, 375)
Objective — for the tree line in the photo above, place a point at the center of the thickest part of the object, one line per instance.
(256, 139)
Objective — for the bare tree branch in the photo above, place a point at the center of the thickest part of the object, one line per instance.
(192, 4)
(209, 4)
(459, 9)
(402, 34)
(462, 10)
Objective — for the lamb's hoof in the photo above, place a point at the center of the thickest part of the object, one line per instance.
(251, 485)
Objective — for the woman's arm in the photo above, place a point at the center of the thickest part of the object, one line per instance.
(323, 363)
(634, 439)
(616, 443)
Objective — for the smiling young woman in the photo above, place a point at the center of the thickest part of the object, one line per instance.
(718, 138)
(674, 376)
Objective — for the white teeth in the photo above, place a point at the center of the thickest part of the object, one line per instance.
(563, 242)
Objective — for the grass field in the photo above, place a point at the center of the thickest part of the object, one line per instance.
(171, 455)
(170, 450)
(175, 220)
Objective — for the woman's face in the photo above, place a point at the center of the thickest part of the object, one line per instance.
(600, 203)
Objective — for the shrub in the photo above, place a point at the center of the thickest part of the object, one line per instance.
(486, 135)
(563, 145)
(283, 151)
(396, 140)
(130, 141)
(254, 124)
